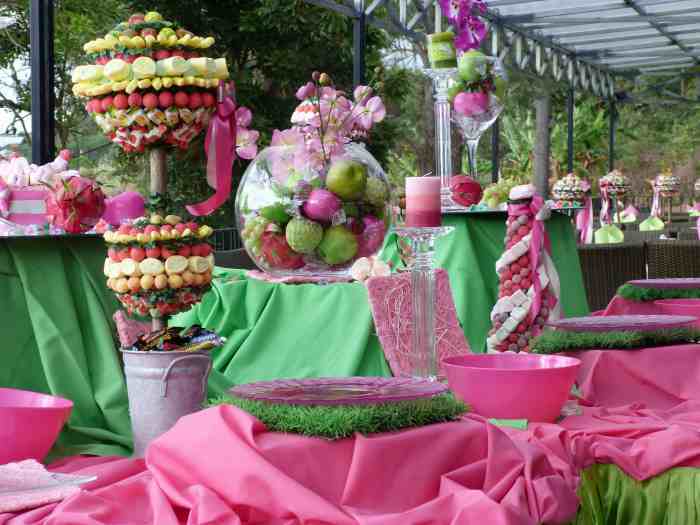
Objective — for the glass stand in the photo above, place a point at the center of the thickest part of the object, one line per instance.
(442, 79)
(423, 354)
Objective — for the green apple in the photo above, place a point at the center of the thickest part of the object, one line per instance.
(472, 65)
(338, 245)
(347, 179)
(500, 84)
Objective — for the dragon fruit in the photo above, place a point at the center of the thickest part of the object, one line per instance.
(75, 204)
(372, 236)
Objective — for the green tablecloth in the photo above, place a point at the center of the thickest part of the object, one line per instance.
(57, 337)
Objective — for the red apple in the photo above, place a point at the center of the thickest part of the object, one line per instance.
(166, 252)
(150, 100)
(136, 18)
(195, 101)
(135, 100)
(107, 102)
(137, 253)
(208, 100)
(153, 252)
(112, 253)
(162, 54)
(121, 101)
(165, 99)
(181, 99)
(185, 251)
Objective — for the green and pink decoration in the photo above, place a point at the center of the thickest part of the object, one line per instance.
(623, 323)
(571, 191)
(528, 282)
(613, 188)
(316, 200)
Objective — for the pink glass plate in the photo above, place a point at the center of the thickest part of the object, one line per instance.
(678, 283)
(340, 390)
(623, 323)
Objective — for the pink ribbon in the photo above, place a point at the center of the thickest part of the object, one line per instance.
(656, 202)
(220, 146)
(605, 205)
(539, 240)
(584, 222)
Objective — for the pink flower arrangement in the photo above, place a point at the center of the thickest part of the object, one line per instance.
(323, 123)
(470, 29)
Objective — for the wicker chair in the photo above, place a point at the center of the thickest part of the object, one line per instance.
(605, 267)
(673, 259)
(238, 259)
(687, 234)
(635, 236)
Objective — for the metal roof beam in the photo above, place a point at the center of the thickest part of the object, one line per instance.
(646, 62)
(623, 47)
(671, 53)
(565, 33)
(660, 28)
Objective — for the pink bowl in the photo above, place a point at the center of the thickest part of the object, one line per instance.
(513, 386)
(29, 423)
(681, 307)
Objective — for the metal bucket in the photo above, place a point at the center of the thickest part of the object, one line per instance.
(163, 387)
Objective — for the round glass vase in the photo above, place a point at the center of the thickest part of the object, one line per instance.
(298, 218)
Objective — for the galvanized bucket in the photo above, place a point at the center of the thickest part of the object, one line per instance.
(163, 387)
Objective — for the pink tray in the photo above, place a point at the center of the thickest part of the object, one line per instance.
(679, 283)
(623, 323)
(339, 390)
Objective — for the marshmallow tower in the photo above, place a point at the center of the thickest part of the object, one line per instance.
(518, 316)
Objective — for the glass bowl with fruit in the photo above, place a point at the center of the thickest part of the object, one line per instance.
(298, 217)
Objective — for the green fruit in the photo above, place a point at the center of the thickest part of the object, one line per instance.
(472, 65)
(276, 213)
(351, 210)
(294, 179)
(500, 84)
(455, 90)
(376, 191)
(338, 246)
(347, 179)
(303, 235)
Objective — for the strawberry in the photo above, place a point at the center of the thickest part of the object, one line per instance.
(150, 229)
(166, 252)
(208, 100)
(122, 254)
(162, 54)
(165, 99)
(153, 252)
(124, 229)
(181, 99)
(166, 228)
(180, 227)
(195, 101)
(191, 54)
(204, 249)
(150, 100)
(119, 56)
(134, 100)
(194, 250)
(178, 53)
(185, 251)
(106, 103)
(113, 254)
(137, 253)
(121, 101)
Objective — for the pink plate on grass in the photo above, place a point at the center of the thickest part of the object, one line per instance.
(623, 323)
(678, 283)
(513, 386)
(339, 390)
(29, 423)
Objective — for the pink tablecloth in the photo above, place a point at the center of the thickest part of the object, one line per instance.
(220, 466)
(622, 306)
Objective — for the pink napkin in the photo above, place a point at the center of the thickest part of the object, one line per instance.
(128, 329)
(27, 484)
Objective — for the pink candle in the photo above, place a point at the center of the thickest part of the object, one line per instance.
(423, 202)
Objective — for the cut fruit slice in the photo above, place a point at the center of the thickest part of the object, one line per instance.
(130, 267)
(151, 266)
(176, 264)
(198, 264)
(115, 270)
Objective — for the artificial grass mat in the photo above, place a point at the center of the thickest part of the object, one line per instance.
(341, 421)
(555, 341)
(635, 293)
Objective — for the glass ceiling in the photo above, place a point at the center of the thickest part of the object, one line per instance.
(620, 36)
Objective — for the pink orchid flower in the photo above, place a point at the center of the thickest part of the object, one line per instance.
(362, 93)
(243, 117)
(306, 91)
(288, 137)
(371, 113)
(247, 143)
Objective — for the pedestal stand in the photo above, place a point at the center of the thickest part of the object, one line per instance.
(159, 184)
(442, 79)
(423, 355)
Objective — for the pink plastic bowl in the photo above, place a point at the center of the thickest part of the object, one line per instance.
(29, 423)
(681, 307)
(513, 386)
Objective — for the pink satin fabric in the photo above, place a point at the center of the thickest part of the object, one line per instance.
(584, 222)
(220, 466)
(622, 306)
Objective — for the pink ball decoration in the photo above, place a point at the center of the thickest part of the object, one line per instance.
(127, 205)
(469, 104)
(372, 236)
(321, 205)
